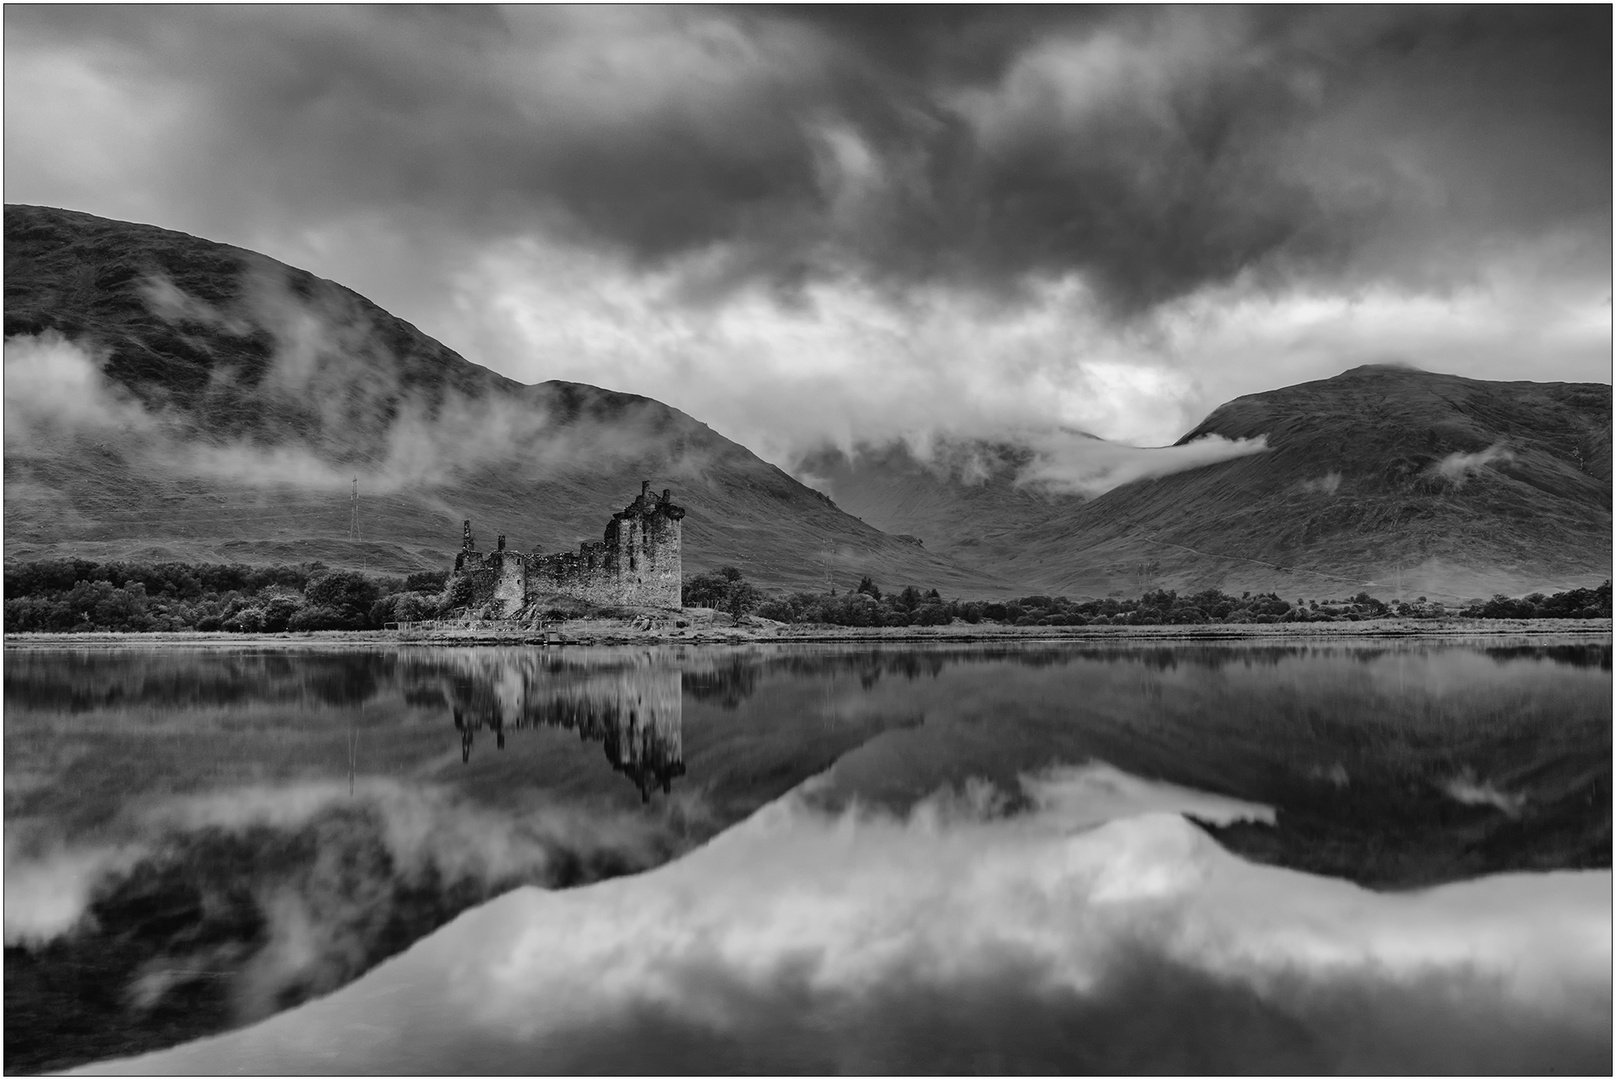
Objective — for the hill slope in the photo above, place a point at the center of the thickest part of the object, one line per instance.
(1393, 479)
(172, 398)
(963, 502)
(169, 397)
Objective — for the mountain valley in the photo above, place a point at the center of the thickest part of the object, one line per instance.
(172, 398)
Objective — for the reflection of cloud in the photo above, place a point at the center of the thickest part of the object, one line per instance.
(336, 879)
(960, 937)
(46, 896)
(420, 826)
(1097, 793)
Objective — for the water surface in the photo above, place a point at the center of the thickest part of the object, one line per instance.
(199, 839)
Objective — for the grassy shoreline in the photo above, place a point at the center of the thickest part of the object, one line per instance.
(624, 632)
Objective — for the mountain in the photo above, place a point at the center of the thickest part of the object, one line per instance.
(961, 499)
(168, 397)
(1386, 478)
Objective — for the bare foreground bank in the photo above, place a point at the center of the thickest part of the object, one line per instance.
(708, 627)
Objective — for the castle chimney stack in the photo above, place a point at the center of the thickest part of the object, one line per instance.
(502, 541)
(645, 490)
(466, 541)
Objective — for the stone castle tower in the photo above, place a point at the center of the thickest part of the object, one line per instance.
(639, 563)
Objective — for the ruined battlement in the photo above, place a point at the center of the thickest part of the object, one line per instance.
(638, 563)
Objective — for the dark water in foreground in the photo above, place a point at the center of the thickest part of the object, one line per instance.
(1046, 858)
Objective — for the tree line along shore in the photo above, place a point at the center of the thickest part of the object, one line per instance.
(79, 596)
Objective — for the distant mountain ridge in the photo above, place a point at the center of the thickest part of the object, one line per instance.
(1384, 478)
(243, 395)
(1388, 478)
(168, 397)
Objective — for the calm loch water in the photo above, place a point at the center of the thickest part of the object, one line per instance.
(1164, 858)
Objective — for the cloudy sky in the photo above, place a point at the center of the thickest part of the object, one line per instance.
(859, 223)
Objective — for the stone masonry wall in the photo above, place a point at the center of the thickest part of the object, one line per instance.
(496, 577)
(650, 562)
(639, 563)
(510, 582)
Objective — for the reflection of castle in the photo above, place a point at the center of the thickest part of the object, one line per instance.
(633, 710)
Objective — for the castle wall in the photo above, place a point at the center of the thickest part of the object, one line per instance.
(639, 563)
(471, 566)
(654, 564)
(510, 582)
(585, 577)
(483, 583)
(496, 577)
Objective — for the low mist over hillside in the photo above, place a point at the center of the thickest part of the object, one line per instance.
(169, 397)
(974, 498)
(1387, 478)
(957, 497)
(1384, 478)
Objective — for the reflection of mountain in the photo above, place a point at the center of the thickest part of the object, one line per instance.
(725, 684)
(204, 680)
(265, 877)
(89, 681)
(634, 711)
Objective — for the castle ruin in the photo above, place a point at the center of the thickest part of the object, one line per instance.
(638, 564)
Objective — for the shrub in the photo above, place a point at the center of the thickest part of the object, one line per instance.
(246, 621)
(427, 581)
(317, 617)
(348, 593)
(278, 613)
(1368, 605)
(459, 594)
(414, 606)
(779, 609)
(77, 595)
(724, 589)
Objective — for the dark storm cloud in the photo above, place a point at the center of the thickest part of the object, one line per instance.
(1151, 151)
